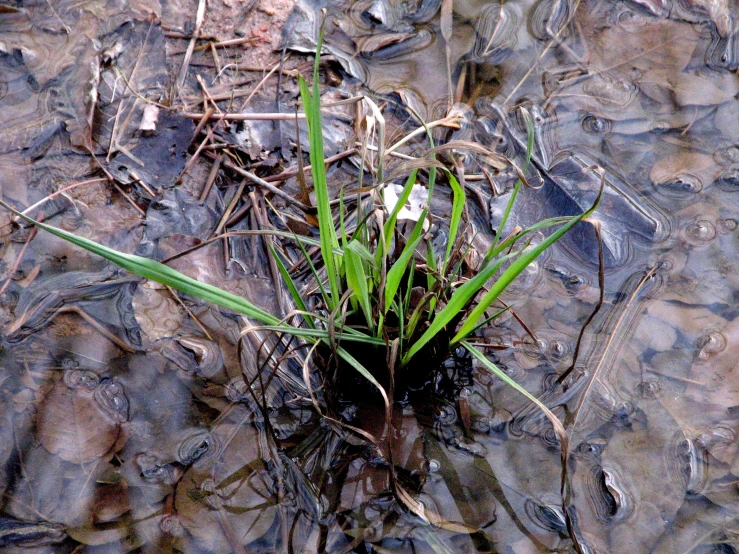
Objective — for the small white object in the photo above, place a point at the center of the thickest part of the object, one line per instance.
(149, 119)
(413, 207)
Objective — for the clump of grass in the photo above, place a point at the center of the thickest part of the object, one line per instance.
(382, 293)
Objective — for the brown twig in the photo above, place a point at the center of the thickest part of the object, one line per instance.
(263, 222)
(59, 192)
(189, 312)
(98, 326)
(229, 209)
(199, 17)
(211, 178)
(262, 183)
(246, 116)
(208, 137)
(599, 305)
(20, 257)
(112, 180)
(288, 173)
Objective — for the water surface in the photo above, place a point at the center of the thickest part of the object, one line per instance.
(128, 422)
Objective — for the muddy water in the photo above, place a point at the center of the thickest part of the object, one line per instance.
(127, 418)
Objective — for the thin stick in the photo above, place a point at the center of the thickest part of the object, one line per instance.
(250, 68)
(676, 378)
(220, 117)
(611, 337)
(452, 122)
(208, 137)
(203, 121)
(19, 258)
(214, 53)
(394, 154)
(97, 325)
(247, 116)
(526, 328)
(601, 299)
(200, 15)
(273, 116)
(541, 56)
(284, 175)
(59, 192)
(229, 209)
(263, 223)
(212, 44)
(259, 85)
(211, 178)
(112, 180)
(189, 312)
(123, 193)
(262, 183)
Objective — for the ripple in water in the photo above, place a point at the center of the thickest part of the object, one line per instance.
(596, 125)
(549, 18)
(727, 225)
(709, 345)
(547, 514)
(607, 493)
(495, 32)
(701, 232)
(729, 180)
(687, 462)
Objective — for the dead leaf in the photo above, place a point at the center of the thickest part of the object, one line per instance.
(693, 169)
(698, 90)
(644, 46)
(428, 515)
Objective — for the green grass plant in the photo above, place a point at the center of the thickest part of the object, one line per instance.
(378, 290)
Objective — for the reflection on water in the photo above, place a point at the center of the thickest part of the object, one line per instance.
(132, 420)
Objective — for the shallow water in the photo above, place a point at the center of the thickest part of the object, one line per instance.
(127, 420)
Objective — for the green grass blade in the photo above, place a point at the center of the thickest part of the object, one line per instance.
(514, 194)
(432, 179)
(456, 218)
(491, 318)
(528, 256)
(342, 223)
(431, 275)
(321, 334)
(509, 242)
(297, 298)
(393, 218)
(356, 278)
(327, 230)
(457, 303)
(401, 322)
(558, 427)
(352, 361)
(361, 250)
(395, 275)
(306, 256)
(155, 271)
(396, 272)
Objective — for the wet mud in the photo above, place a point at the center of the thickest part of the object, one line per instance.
(135, 418)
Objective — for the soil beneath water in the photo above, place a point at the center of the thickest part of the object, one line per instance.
(133, 417)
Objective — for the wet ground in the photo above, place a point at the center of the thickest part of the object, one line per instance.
(128, 419)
